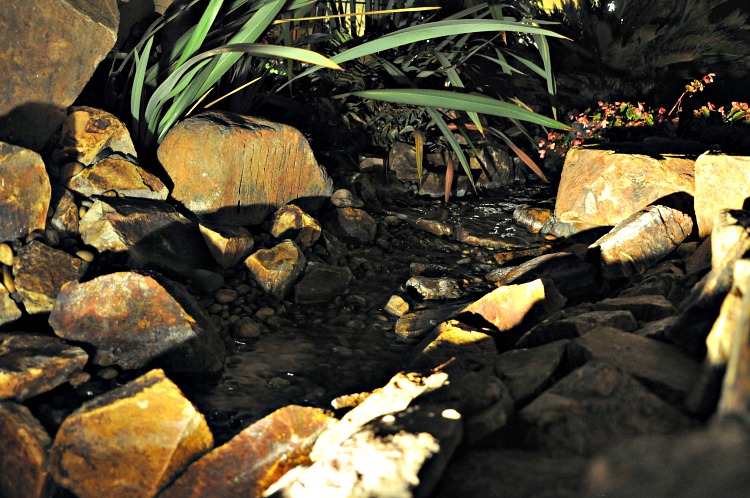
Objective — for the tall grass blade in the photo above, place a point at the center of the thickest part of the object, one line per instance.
(520, 153)
(437, 118)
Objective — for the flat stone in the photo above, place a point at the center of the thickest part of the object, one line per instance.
(429, 288)
(351, 225)
(527, 372)
(321, 283)
(32, 364)
(291, 222)
(531, 218)
(412, 326)
(133, 319)
(643, 308)
(90, 134)
(277, 269)
(117, 177)
(664, 368)
(254, 167)
(77, 36)
(24, 457)
(25, 191)
(256, 457)
(721, 182)
(40, 272)
(228, 245)
(574, 326)
(640, 241)
(130, 441)
(594, 407)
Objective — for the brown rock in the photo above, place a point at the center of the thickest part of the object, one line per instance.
(23, 461)
(601, 187)
(228, 245)
(31, 364)
(721, 182)
(9, 311)
(321, 283)
(254, 167)
(40, 272)
(77, 36)
(402, 160)
(570, 327)
(428, 288)
(256, 457)
(351, 224)
(90, 134)
(412, 326)
(25, 191)
(471, 347)
(498, 169)
(342, 198)
(134, 319)
(291, 222)
(594, 407)
(640, 241)
(118, 177)
(527, 372)
(150, 232)
(277, 269)
(130, 441)
(505, 256)
(531, 218)
(643, 308)
(65, 209)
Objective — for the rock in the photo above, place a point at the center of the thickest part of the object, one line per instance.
(640, 241)
(572, 276)
(531, 218)
(247, 328)
(508, 255)
(470, 347)
(665, 369)
(367, 163)
(351, 225)
(396, 306)
(412, 326)
(721, 182)
(277, 269)
(89, 135)
(527, 372)
(228, 245)
(114, 176)
(254, 166)
(77, 36)
(594, 407)
(498, 168)
(24, 458)
(603, 186)
(402, 160)
(570, 327)
(342, 198)
(321, 283)
(40, 272)
(256, 457)
(25, 191)
(6, 254)
(497, 242)
(692, 465)
(32, 364)
(434, 288)
(291, 222)
(149, 232)
(643, 308)
(9, 311)
(133, 320)
(130, 441)
(206, 281)
(65, 217)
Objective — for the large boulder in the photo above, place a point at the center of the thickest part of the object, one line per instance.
(251, 165)
(48, 51)
(721, 182)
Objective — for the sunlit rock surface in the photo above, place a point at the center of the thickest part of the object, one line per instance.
(25, 192)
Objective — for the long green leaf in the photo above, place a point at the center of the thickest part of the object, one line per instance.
(455, 80)
(437, 118)
(136, 94)
(460, 102)
(201, 30)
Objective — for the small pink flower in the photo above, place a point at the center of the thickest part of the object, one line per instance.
(542, 152)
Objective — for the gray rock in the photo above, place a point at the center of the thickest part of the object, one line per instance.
(527, 372)
(351, 225)
(576, 325)
(644, 308)
(321, 283)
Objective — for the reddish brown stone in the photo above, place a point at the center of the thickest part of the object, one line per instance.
(50, 50)
(721, 182)
(8, 308)
(31, 364)
(228, 245)
(118, 177)
(291, 222)
(351, 224)
(531, 218)
(40, 272)
(87, 133)
(277, 269)
(133, 319)
(256, 457)
(130, 441)
(25, 190)
(24, 465)
(65, 209)
(253, 166)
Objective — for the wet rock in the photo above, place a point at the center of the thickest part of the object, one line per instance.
(342, 198)
(602, 187)
(351, 224)
(495, 242)
(130, 441)
(527, 372)
(498, 169)
(721, 182)
(133, 319)
(31, 364)
(228, 245)
(25, 191)
(471, 347)
(254, 166)
(505, 256)
(396, 306)
(640, 241)
(573, 277)
(530, 217)
(570, 327)
(24, 457)
(402, 160)
(692, 465)
(115, 176)
(9, 311)
(277, 269)
(90, 134)
(149, 232)
(65, 217)
(291, 222)
(434, 288)
(40, 272)
(256, 457)
(247, 328)
(412, 326)
(594, 407)
(77, 36)
(321, 283)
(643, 308)
(664, 368)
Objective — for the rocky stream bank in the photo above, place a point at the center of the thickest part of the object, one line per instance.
(254, 319)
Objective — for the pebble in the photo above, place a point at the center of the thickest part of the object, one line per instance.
(85, 255)
(69, 170)
(6, 254)
(247, 329)
(226, 296)
(264, 313)
(108, 373)
(8, 282)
